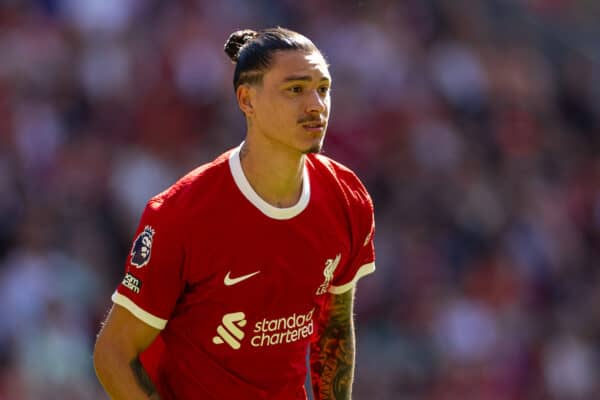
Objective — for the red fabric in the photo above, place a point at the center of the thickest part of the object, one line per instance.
(204, 228)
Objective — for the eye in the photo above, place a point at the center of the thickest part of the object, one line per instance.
(324, 90)
(295, 89)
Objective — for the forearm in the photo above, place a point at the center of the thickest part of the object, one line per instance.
(123, 376)
(332, 356)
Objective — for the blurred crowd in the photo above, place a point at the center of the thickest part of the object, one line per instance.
(475, 124)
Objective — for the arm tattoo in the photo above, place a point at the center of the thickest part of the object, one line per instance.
(143, 379)
(332, 352)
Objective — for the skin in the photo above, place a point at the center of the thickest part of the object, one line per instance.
(273, 159)
(294, 93)
(294, 90)
(332, 352)
(116, 356)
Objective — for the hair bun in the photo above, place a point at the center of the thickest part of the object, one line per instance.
(236, 41)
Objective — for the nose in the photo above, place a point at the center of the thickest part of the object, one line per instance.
(316, 103)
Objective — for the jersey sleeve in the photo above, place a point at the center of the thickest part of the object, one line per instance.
(153, 278)
(362, 255)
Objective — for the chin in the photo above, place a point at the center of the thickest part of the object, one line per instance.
(315, 148)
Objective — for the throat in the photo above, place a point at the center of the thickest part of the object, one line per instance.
(278, 184)
(283, 198)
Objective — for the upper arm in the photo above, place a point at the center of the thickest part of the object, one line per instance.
(339, 309)
(360, 260)
(155, 267)
(116, 356)
(332, 350)
(342, 304)
(124, 333)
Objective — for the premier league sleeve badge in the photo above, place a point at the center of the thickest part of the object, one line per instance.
(142, 247)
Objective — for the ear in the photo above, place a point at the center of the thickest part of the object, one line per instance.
(245, 97)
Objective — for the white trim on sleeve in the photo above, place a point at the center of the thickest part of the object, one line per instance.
(143, 315)
(362, 271)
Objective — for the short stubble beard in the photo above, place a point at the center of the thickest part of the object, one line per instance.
(316, 149)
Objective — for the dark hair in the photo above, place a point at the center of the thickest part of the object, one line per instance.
(252, 51)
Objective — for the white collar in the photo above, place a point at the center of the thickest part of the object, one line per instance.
(242, 183)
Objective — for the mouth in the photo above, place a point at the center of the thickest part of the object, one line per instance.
(314, 126)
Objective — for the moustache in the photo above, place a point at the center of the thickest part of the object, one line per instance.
(309, 118)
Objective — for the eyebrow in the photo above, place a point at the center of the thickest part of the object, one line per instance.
(306, 78)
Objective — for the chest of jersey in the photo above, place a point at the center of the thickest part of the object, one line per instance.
(256, 282)
(248, 256)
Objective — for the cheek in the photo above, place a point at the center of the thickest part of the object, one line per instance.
(279, 113)
(272, 118)
(267, 105)
(276, 112)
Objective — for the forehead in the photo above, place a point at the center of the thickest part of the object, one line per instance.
(286, 64)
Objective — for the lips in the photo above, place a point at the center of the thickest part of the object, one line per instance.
(314, 124)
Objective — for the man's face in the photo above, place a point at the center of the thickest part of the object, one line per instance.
(292, 104)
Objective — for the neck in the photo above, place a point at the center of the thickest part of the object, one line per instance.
(275, 173)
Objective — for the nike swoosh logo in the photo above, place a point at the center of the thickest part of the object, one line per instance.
(229, 281)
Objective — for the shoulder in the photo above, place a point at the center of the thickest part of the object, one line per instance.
(342, 178)
(190, 188)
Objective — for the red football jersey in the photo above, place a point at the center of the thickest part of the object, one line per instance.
(236, 285)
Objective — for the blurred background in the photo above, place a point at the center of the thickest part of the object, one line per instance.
(474, 124)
